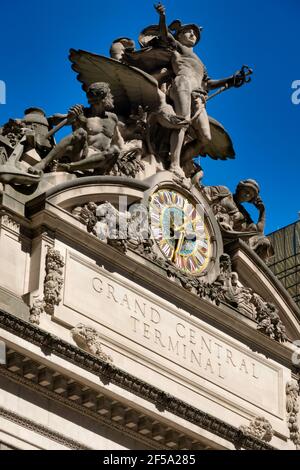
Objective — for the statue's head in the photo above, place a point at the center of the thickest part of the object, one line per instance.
(247, 191)
(187, 34)
(99, 92)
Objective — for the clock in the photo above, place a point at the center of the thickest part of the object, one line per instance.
(179, 228)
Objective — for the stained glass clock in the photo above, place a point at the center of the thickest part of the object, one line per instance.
(179, 228)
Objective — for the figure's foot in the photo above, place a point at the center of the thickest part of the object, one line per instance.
(180, 177)
(177, 170)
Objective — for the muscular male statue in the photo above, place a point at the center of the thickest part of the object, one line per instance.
(191, 83)
(95, 142)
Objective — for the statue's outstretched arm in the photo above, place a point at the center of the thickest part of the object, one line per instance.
(163, 29)
(214, 84)
(236, 80)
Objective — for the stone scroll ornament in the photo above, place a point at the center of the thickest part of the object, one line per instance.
(142, 102)
(88, 338)
(53, 283)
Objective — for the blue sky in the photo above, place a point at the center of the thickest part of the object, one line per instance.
(260, 117)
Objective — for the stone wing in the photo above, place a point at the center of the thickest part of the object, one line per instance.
(220, 147)
(130, 86)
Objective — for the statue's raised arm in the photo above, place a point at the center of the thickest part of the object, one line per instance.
(163, 29)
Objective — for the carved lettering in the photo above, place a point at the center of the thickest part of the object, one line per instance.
(125, 302)
(196, 357)
(97, 285)
(180, 330)
(138, 309)
(146, 331)
(158, 338)
(172, 347)
(111, 293)
(229, 357)
(155, 316)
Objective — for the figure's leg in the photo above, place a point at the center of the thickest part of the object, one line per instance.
(101, 161)
(181, 95)
(71, 145)
(202, 126)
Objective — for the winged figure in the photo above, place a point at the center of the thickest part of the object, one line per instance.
(166, 77)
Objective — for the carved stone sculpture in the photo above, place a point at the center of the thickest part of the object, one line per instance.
(89, 339)
(53, 280)
(105, 222)
(248, 302)
(35, 311)
(95, 142)
(292, 408)
(232, 292)
(234, 219)
(259, 428)
(268, 319)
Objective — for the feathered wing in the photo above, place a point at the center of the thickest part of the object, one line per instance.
(130, 86)
(220, 147)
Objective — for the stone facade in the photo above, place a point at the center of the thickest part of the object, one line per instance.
(132, 296)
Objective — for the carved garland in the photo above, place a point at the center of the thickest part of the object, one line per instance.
(292, 408)
(52, 286)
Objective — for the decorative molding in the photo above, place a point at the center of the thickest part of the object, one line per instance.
(42, 430)
(104, 221)
(292, 408)
(248, 302)
(259, 428)
(268, 319)
(110, 373)
(8, 222)
(89, 340)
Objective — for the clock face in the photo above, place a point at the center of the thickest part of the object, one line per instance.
(180, 231)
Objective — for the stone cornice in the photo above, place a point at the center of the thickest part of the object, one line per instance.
(111, 374)
(42, 430)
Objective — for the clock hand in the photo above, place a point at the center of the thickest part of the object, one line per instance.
(192, 221)
(178, 245)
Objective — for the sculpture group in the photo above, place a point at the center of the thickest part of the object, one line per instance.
(144, 104)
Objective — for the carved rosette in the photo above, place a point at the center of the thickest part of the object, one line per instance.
(88, 339)
(259, 428)
(292, 408)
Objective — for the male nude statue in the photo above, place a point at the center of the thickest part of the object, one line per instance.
(95, 142)
(191, 84)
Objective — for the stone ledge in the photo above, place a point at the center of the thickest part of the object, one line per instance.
(109, 373)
